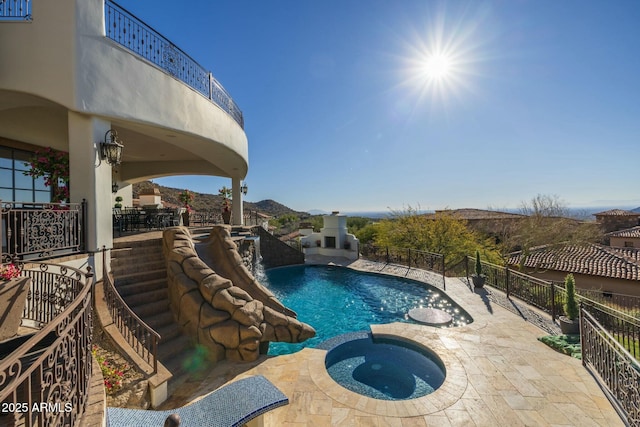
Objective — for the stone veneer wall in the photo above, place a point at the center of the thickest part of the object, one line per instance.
(276, 253)
(224, 318)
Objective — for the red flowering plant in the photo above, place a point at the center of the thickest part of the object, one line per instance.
(187, 197)
(53, 165)
(112, 373)
(9, 271)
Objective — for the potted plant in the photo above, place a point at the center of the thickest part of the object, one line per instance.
(226, 193)
(478, 278)
(118, 203)
(186, 197)
(570, 322)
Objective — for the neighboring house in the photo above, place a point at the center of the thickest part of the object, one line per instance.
(610, 270)
(629, 238)
(74, 70)
(492, 223)
(617, 219)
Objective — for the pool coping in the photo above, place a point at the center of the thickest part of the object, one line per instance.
(446, 395)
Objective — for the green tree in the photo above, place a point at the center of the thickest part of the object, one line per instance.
(442, 233)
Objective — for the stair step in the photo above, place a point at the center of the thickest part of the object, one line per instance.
(129, 256)
(151, 309)
(168, 332)
(171, 348)
(127, 270)
(142, 299)
(161, 319)
(141, 287)
(143, 275)
(125, 261)
(121, 244)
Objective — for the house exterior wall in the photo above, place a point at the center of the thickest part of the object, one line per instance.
(63, 61)
(624, 242)
(584, 281)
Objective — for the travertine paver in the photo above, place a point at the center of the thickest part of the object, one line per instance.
(500, 375)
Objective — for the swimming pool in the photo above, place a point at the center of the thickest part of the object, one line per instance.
(337, 300)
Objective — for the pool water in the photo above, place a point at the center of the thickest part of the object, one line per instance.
(385, 369)
(337, 300)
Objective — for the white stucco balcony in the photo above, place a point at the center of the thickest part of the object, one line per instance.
(62, 61)
(68, 76)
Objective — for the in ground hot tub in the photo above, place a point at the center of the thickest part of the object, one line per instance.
(384, 368)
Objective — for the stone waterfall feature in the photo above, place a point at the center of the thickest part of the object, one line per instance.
(217, 301)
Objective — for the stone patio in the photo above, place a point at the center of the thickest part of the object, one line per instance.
(498, 374)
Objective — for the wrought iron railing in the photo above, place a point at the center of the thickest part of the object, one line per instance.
(629, 304)
(15, 10)
(623, 328)
(617, 371)
(140, 336)
(412, 258)
(53, 366)
(41, 230)
(129, 31)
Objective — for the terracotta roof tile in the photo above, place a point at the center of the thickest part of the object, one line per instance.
(477, 214)
(617, 212)
(633, 232)
(595, 260)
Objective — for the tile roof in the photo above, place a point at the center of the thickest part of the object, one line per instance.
(477, 214)
(592, 259)
(617, 212)
(633, 232)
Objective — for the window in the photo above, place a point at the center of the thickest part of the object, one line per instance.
(15, 186)
(628, 244)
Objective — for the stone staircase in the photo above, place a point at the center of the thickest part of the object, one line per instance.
(140, 276)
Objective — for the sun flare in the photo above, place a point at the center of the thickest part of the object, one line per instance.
(437, 66)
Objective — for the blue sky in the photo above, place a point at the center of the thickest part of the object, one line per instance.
(541, 97)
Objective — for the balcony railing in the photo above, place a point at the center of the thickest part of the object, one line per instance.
(15, 10)
(41, 230)
(127, 30)
(53, 365)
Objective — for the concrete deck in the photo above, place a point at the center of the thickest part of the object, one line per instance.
(498, 373)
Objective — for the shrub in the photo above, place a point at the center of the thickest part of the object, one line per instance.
(478, 264)
(571, 309)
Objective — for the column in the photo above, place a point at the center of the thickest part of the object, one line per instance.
(90, 179)
(237, 215)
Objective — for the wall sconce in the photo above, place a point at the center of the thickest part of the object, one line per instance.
(244, 188)
(114, 188)
(111, 148)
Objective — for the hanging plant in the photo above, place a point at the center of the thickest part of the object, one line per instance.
(53, 165)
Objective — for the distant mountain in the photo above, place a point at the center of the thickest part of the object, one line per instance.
(203, 202)
(318, 212)
(636, 209)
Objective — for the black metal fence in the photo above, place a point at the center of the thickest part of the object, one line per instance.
(412, 258)
(127, 30)
(41, 230)
(15, 10)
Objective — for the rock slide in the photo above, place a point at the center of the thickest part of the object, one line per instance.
(217, 301)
